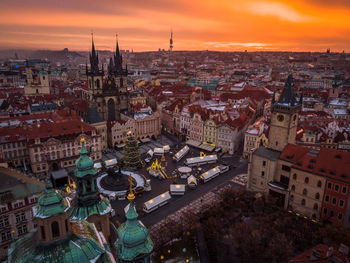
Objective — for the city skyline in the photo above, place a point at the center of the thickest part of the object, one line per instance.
(313, 25)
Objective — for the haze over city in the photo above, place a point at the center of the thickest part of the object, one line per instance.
(226, 25)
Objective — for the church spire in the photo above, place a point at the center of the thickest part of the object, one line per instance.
(287, 97)
(118, 58)
(171, 41)
(93, 56)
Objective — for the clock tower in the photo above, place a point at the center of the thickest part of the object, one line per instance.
(284, 117)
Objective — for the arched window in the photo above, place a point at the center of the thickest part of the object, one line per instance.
(98, 83)
(66, 223)
(303, 202)
(319, 184)
(304, 191)
(291, 198)
(317, 196)
(293, 187)
(55, 229)
(315, 206)
(294, 176)
(306, 180)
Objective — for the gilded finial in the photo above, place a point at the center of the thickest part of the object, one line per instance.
(131, 195)
(82, 140)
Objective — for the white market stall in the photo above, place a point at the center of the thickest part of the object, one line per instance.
(156, 202)
(177, 189)
(201, 160)
(158, 151)
(180, 154)
(192, 182)
(212, 173)
(110, 162)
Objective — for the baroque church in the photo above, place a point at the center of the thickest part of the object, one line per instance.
(79, 230)
(108, 94)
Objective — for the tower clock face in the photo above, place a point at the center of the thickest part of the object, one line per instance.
(280, 118)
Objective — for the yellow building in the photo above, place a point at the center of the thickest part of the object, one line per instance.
(210, 132)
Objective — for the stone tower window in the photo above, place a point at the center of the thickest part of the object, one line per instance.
(55, 229)
(280, 118)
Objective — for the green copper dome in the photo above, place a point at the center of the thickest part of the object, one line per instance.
(133, 237)
(84, 164)
(75, 249)
(50, 203)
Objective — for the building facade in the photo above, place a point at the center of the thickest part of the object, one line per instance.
(118, 131)
(56, 146)
(17, 198)
(37, 82)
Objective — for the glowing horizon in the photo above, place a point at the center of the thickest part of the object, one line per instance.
(225, 25)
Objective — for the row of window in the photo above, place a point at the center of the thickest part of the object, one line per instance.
(331, 214)
(65, 145)
(337, 188)
(13, 154)
(317, 195)
(334, 201)
(303, 202)
(13, 145)
(306, 180)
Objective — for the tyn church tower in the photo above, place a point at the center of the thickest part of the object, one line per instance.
(107, 92)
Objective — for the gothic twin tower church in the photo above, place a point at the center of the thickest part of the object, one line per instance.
(107, 89)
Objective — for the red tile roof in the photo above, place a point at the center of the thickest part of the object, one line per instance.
(331, 163)
(322, 254)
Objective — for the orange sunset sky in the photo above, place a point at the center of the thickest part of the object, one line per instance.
(298, 25)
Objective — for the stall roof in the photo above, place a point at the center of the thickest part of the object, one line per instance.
(111, 162)
(192, 180)
(59, 174)
(182, 152)
(210, 173)
(206, 158)
(158, 150)
(157, 200)
(177, 188)
(166, 148)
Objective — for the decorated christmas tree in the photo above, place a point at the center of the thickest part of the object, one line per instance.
(132, 157)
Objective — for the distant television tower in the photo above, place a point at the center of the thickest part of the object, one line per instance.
(171, 41)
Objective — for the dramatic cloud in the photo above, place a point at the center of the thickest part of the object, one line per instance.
(197, 24)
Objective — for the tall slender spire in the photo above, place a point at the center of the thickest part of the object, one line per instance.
(171, 41)
(93, 56)
(118, 59)
(288, 96)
